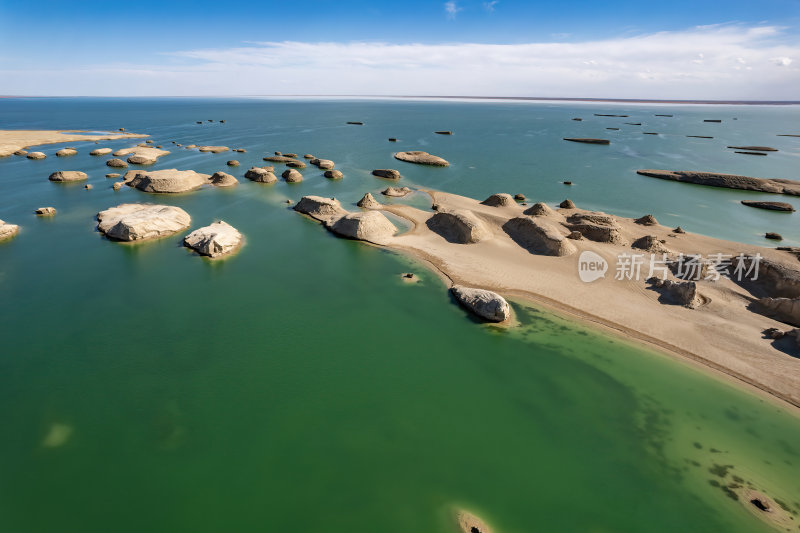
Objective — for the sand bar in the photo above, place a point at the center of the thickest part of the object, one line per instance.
(723, 333)
(13, 140)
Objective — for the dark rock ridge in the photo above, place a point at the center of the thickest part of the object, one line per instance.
(700, 136)
(587, 141)
(387, 173)
(749, 153)
(602, 115)
(729, 181)
(443, 132)
(774, 206)
(756, 148)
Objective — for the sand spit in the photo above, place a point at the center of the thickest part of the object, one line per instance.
(728, 181)
(15, 140)
(705, 321)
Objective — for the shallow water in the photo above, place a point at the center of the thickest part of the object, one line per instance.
(302, 386)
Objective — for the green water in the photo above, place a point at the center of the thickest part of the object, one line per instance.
(301, 386)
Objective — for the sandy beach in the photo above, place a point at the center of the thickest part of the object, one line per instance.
(721, 333)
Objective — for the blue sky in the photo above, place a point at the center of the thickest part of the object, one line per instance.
(596, 48)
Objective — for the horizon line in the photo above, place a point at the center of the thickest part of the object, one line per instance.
(446, 97)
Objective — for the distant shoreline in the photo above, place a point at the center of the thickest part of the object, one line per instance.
(439, 97)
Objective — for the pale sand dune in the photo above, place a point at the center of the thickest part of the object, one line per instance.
(13, 140)
(722, 334)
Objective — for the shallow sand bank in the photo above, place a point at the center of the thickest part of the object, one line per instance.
(13, 140)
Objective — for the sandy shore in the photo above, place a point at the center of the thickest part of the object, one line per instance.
(722, 333)
(13, 140)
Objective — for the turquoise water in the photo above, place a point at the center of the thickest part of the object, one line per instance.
(302, 386)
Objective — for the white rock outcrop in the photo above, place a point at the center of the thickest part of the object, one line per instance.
(215, 240)
(7, 230)
(485, 304)
(137, 222)
(166, 181)
(459, 226)
(68, 175)
(371, 226)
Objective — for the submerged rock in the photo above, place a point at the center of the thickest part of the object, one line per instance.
(773, 236)
(36, 155)
(538, 236)
(485, 304)
(260, 175)
(295, 164)
(499, 200)
(421, 158)
(218, 239)
(333, 174)
(68, 175)
(459, 226)
(65, 152)
(21, 152)
(371, 226)
(232, 163)
(136, 222)
(387, 173)
(7, 230)
(100, 151)
(46, 211)
(470, 523)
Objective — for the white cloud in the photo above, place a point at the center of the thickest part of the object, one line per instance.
(714, 62)
(489, 6)
(451, 8)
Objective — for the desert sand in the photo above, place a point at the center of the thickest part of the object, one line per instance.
(14, 140)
